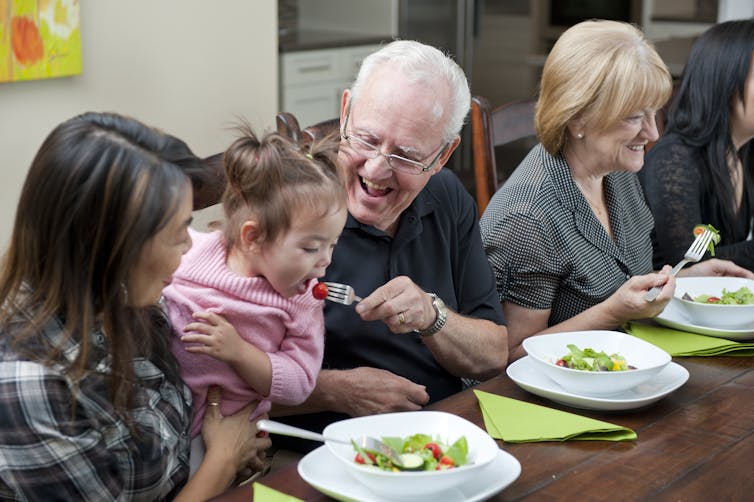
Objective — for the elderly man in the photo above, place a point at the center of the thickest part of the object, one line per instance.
(411, 247)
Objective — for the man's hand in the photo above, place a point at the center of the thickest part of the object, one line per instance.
(400, 304)
(367, 391)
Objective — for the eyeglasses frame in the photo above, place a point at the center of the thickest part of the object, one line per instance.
(424, 167)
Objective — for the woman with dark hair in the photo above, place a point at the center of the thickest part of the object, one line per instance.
(92, 406)
(702, 169)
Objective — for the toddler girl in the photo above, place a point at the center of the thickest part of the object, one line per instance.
(241, 306)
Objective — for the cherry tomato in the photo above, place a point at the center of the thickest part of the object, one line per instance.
(713, 299)
(445, 463)
(360, 460)
(319, 291)
(435, 448)
(560, 362)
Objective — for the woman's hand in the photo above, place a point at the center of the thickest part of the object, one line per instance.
(233, 439)
(233, 447)
(716, 267)
(628, 302)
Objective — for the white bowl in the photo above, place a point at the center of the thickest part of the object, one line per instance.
(648, 360)
(714, 315)
(412, 484)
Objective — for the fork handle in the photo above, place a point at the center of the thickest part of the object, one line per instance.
(652, 294)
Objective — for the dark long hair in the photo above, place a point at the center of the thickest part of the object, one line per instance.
(98, 189)
(713, 80)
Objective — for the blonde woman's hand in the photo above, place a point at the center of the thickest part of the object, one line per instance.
(628, 302)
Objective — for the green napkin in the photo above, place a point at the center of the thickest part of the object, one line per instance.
(264, 493)
(683, 343)
(519, 422)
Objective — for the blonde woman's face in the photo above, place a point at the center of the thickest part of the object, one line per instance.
(619, 147)
(160, 257)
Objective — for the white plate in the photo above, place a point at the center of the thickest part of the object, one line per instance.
(324, 472)
(674, 317)
(529, 377)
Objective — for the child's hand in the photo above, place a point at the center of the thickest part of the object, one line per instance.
(213, 336)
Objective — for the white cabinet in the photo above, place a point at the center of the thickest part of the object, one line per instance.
(313, 81)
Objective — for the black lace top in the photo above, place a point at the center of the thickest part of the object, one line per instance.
(677, 194)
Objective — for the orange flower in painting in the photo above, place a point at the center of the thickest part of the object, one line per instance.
(27, 44)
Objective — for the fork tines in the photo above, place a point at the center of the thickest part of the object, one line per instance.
(341, 293)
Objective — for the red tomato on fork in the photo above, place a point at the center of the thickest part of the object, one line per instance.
(319, 291)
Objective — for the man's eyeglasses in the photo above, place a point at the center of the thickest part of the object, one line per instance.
(371, 150)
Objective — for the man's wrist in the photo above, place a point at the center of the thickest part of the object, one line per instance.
(441, 317)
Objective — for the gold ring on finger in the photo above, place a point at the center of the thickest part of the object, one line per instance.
(401, 318)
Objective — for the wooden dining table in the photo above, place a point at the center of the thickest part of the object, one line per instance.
(695, 444)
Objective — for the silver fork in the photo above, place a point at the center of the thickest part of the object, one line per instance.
(694, 254)
(341, 293)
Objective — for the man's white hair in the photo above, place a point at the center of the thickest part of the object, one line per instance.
(424, 64)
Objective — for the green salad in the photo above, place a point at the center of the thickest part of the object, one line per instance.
(698, 229)
(742, 296)
(591, 360)
(419, 452)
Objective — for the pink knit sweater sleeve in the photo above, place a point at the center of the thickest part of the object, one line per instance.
(296, 365)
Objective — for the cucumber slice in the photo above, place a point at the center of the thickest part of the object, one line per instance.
(412, 461)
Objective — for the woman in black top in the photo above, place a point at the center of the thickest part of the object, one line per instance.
(701, 170)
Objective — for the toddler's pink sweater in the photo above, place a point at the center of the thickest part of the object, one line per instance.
(290, 331)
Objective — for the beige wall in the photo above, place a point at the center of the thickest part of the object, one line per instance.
(190, 67)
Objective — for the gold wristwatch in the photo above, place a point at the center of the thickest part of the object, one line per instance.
(442, 315)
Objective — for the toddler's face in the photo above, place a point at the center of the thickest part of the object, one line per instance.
(302, 253)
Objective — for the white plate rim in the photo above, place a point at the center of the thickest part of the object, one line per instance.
(351, 490)
(525, 373)
(673, 317)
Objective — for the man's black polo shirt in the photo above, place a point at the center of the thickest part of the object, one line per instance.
(438, 246)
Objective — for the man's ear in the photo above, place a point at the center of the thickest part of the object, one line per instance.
(446, 153)
(344, 104)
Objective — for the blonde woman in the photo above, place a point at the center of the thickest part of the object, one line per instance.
(568, 236)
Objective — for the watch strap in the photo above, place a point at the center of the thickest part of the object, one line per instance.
(440, 318)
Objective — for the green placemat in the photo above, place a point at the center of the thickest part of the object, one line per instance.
(520, 422)
(683, 343)
(264, 493)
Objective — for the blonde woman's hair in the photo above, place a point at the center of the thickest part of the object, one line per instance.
(271, 179)
(601, 72)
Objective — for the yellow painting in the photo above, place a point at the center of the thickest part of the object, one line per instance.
(39, 39)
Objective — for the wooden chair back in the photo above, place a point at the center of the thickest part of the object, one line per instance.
(320, 130)
(494, 128)
(287, 126)
(209, 184)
